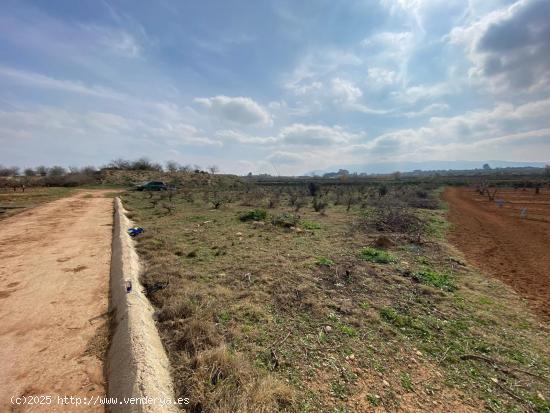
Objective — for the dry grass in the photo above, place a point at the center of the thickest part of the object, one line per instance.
(12, 203)
(253, 322)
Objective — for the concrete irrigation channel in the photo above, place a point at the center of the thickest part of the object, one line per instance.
(137, 363)
(63, 268)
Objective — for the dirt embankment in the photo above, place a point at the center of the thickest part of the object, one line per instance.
(54, 278)
(497, 240)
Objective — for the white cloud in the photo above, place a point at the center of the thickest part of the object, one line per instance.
(314, 135)
(509, 47)
(241, 110)
(51, 124)
(381, 77)
(236, 136)
(312, 69)
(286, 158)
(432, 109)
(38, 80)
(395, 41)
(119, 42)
(345, 91)
(444, 136)
(413, 94)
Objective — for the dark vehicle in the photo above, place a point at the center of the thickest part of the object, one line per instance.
(152, 186)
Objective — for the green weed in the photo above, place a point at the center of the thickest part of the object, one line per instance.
(406, 381)
(324, 261)
(310, 225)
(254, 215)
(375, 255)
(436, 279)
(373, 399)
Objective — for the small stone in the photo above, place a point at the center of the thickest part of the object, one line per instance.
(385, 383)
(328, 329)
(418, 353)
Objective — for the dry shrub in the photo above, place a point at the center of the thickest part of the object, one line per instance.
(177, 307)
(196, 335)
(420, 198)
(217, 381)
(392, 216)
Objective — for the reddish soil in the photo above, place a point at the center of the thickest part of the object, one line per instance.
(502, 244)
(54, 274)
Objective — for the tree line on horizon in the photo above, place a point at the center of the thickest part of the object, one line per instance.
(141, 164)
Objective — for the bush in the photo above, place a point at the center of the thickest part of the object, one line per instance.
(374, 255)
(319, 204)
(285, 220)
(254, 215)
(392, 217)
(313, 188)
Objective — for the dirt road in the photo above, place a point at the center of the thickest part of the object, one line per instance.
(499, 242)
(54, 277)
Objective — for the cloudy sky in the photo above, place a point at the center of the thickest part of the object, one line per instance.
(278, 86)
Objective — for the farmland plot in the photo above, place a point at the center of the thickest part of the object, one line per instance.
(337, 299)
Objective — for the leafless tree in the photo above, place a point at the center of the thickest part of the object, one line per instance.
(172, 166)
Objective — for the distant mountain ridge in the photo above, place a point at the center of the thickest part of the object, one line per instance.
(389, 167)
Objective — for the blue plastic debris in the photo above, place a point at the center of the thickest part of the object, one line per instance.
(135, 231)
(128, 285)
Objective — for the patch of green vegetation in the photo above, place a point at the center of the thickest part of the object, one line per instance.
(365, 305)
(311, 225)
(375, 255)
(436, 279)
(391, 316)
(254, 215)
(347, 330)
(373, 399)
(485, 300)
(406, 381)
(338, 389)
(436, 225)
(285, 220)
(324, 261)
(224, 316)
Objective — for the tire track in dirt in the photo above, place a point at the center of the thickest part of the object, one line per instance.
(54, 277)
(514, 250)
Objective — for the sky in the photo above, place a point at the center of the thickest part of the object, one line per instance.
(278, 87)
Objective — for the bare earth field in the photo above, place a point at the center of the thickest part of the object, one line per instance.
(54, 274)
(513, 249)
